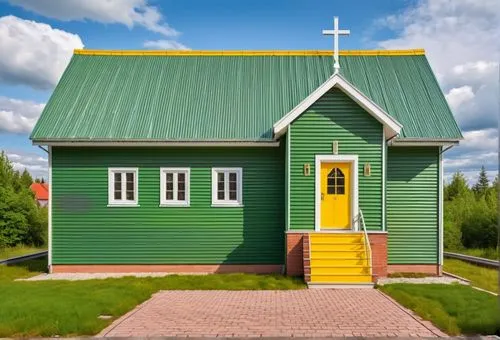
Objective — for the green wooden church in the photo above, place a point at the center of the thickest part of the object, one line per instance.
(247, 161)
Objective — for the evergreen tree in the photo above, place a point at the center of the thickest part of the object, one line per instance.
(26, 179)
(482, 185)
(457, 187)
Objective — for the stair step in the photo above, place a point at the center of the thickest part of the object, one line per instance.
(337, 254)
(334, 235)
(332, 240)
(340, 246)
(342, 270)
(341, 278)
(340, 263)
(339, 285)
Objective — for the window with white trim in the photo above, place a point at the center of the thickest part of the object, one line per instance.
(174, 186)
(227, 187)
(122, 186)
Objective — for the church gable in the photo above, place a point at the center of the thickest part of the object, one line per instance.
(391, 126)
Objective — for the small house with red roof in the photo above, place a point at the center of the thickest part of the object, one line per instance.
(41, 191)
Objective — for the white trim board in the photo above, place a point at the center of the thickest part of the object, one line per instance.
(49, 262)
(153, 143)
(391, 126)
(384, 164)
(422, 142)
(288, 175)
(440, 210)
(353, 159)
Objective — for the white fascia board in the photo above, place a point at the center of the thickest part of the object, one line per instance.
(422, 142)
(145, 143)
(391, 126)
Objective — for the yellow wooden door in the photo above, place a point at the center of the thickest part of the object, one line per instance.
(335, 195)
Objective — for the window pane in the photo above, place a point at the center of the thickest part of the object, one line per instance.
(340, 190)
(330, 190)
(170, 181)
(220, 186)
(169, 190)
(130, 177)
(232, 186)
(181, 184)
(181, 195)
(130, 195)
(117, 186)
(340, 180)
(169, 195)
(220, 181)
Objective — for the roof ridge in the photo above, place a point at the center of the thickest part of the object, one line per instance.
(407, 52)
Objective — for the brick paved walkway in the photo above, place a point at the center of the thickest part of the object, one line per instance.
(299, 313)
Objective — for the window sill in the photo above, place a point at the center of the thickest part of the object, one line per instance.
(226, 205)
(174, 205)
(121, 205)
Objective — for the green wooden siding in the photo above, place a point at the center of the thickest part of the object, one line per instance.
(86, 231)
(335, 117)
(412, 205)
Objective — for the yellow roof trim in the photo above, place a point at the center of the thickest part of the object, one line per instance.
(248, 53)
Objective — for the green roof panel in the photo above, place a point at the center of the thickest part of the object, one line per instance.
(227, 98)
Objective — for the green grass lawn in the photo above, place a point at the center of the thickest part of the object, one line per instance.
(455, 309)
(6, 253)
(486, 278)
(487, 253)
(47, 308)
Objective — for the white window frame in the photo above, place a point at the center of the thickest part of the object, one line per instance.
(163, 187)
(111, 184)
(239, 187)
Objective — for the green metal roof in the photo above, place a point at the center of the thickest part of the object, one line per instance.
(228, 97)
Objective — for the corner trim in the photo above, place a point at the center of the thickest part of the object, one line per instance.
(440, 211)
(49, 260)
(384, 161)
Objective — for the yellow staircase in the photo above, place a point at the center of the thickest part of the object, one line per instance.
(339, 259)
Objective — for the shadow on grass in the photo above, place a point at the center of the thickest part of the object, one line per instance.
(33, 266)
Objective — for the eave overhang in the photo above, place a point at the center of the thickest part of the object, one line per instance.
(155, 143)
(391, 126)
(423, 142)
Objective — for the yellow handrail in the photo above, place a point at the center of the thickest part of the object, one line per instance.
(368, 249)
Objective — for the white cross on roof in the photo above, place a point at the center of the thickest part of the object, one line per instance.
(336, 32)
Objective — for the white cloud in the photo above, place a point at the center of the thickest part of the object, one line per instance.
(461, 39)
(18, 116)
(165, 45)
(33, 53)
(457, 96)
(126, 12)
(36, 165)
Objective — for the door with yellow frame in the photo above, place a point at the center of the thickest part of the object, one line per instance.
(336, 196)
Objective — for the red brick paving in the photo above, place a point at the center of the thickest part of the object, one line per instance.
(297, 313)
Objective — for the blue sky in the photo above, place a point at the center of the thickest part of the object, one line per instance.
(42, 33)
